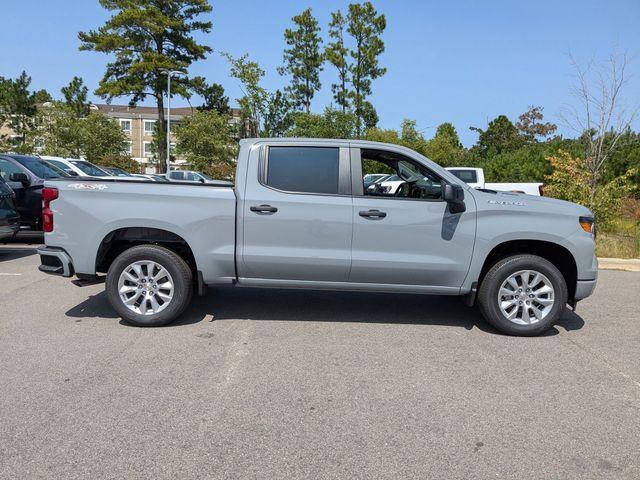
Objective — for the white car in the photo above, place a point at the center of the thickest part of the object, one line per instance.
(77, 167)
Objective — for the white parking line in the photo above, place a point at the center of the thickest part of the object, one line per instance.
(10, 274)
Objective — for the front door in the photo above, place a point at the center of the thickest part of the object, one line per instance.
(403, 231)
(296, 214)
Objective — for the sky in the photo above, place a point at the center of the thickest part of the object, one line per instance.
(463, 62)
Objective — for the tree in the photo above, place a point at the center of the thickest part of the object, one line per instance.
(61, 130)
(206, 140)
(599, 117)
(330, 124)
(253, 102)
(101, 137)
(148, 38)
(530, 124)
(500, 136)
(75, 96)
(95, 136)
(366, 28)
(445, 147)
(336, 54)
(18, 109)
(303, 59)
(278, 117)
(213, 96)
(570, 181)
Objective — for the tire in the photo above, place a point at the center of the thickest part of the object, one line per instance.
(542, 302)
(144, 263)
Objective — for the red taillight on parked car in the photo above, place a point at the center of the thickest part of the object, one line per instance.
(48, 195)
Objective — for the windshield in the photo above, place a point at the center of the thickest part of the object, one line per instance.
(40, 168)
(89, 168)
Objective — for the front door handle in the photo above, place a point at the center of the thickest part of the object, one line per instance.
(374, 214)
(263, 209)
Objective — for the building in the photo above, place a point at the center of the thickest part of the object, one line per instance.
(139, 123)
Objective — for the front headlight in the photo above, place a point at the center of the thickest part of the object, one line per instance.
(588, 225)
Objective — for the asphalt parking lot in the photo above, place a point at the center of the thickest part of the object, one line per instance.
(291, 384)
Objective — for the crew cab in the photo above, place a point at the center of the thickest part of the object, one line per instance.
(474, 177)
(298, 216)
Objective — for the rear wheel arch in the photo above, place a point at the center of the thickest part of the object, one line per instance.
(121, 239)
(556, 254)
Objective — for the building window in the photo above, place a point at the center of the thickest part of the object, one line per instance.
(125, 125)
(149, 127)
(129, 147)
(148, 150)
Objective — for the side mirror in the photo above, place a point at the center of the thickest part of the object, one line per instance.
(201, 180)
(454, 196)
(71, 173)
(21, 177)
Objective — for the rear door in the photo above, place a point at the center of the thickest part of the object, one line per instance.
(407, 236)
(297, 213)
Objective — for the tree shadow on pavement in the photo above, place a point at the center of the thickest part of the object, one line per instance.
(230, 303)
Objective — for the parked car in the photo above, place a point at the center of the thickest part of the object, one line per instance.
(115, 171)
(9, 217)
(76, 167)
(474, 177)
(195, 177)
(26, 175)
(149, 176)
(298, 216)
(372, 178)
(387, 185)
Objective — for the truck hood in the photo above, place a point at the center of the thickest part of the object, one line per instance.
(528, 203)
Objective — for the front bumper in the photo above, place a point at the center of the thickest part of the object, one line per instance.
(584, 288)
(55, 261)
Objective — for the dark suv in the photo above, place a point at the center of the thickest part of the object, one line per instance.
(9, 218)
(26, 176)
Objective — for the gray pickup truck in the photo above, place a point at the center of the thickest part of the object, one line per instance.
(299, 217)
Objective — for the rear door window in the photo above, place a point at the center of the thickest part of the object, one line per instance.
(304, 169)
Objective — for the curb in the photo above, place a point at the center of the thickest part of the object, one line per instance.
(627, 264)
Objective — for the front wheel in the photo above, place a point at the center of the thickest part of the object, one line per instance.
(523, 295)
(149, 285)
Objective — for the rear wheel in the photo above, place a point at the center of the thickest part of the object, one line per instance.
(522, 295)
(149, 285)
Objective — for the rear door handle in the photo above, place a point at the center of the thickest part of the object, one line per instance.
(263, 209)
(374, 214)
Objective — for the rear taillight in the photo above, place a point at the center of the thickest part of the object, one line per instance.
(49, 194)
(541, 190)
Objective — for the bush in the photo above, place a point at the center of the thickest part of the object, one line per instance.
(124, 162)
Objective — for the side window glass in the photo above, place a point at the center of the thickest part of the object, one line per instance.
(191, 176)
(398, 176)
(304, 169)
(7, 168)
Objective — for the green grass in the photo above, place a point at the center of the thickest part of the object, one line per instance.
(620, 239)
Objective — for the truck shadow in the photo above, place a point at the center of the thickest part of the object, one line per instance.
(256, 304)
(7, 252)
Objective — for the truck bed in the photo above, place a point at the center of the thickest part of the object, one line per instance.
(88, 212)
